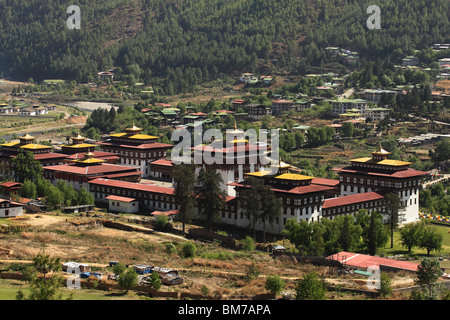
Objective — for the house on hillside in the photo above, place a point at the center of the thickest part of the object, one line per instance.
(10, 208)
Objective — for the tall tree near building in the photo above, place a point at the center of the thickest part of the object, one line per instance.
(428, 273)
(184, 181)
(270, 209)
(391, 212)
(25, 167)
(251, 201)
(210, 197)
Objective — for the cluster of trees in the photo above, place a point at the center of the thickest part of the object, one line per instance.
(345, 233)
(319, 136)
(435, 199)
(421, 234)
(28, 171)
(63, 194)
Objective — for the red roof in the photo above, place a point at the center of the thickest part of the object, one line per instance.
(408, 173)
(163, 162)
(154, 145)
(9, 184)
(308, 189)
(49, 155)
(325, 182)
(352, 199)
(131, 185)
(102, 168)
(97, 154)
(364, 261)
(122, 199)
(165, 213)
(282, 101)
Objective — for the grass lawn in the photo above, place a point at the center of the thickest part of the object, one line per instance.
(9, 288)
(418, 252)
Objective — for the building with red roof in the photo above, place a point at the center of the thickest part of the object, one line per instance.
(123, 204)
(381, 174)
(149, 196)
(42, 153)
(363, 262)
(135, 149)
(80, 171)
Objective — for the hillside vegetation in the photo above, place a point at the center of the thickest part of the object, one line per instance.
(186, 42)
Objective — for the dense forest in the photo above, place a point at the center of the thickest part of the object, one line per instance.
(180, 43)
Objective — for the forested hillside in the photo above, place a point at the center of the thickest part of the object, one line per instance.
(188, 41)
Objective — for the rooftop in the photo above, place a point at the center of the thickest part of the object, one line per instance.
(352, 199)
(131, 185)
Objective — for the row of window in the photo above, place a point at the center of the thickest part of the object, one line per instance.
(132, 193)
(138, 154)
(381, 183)
(352, 208)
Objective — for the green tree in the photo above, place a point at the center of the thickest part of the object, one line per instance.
(274, 284)
(348, 129)
(84, 197)
(53, 197)
(311, 287)
(306, 236)
(251, 201)
(391, 212)
(442, 151)
(374, 234)
(188, 250)
(428, 273)
(349, 232)
(43, 288)
(430, 239)
(28, 189)
(25, 167)
(210, 197)
(270, 211)
(44, 263)
(385, 285)
(184, 181)
(154, 280)
(128, 279)
(119, 269)
(410, 235)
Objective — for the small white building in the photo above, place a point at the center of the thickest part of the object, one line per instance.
(10, 208)
(122, 204)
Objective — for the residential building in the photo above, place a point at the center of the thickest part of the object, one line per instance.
(410, 61)
(256, 112)
(341, 106)
(10, 209)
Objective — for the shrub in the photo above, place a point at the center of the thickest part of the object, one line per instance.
(249, 243)
(161, 223)
(274, 284)
(188, 250)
